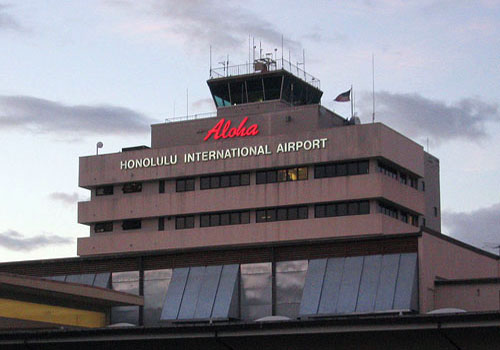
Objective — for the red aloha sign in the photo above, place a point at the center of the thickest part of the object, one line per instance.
(224, 130)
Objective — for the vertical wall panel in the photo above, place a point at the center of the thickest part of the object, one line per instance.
(312, 288)
(208, 292)
(387, 283)
(256, 291)
(127, 282)
(191, 292)
(175, 292)
(226, 292)
(331, 285)
(155, 289)
(349, 288)
(102, 280)
(405, 284)
(369, 283)
(290, 279)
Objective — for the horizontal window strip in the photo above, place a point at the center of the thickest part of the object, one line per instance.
(341, 169)
(341, 209)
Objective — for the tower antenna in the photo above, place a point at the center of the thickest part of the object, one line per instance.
(210, 61)
(281, 51)
(373, 87)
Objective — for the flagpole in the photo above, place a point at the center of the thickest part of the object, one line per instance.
(373, 87)
(351, 98)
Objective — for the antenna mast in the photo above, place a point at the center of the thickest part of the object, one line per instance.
(373, 87)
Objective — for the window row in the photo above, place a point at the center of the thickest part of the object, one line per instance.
(402, 215)
(404, 178)
(222, 219)
(341, 209)
(226, 180)
(282, 214)
(341, 169)
(281, 175)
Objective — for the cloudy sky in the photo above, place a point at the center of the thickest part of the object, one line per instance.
(73, 73)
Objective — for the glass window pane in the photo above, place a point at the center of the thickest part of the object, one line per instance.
(330, 170)
(189, 184)
(179, 223)
(261, 216)
(353, 208)
(330, 210)
(303, 212)
(204, 220)
(180, 186)
(225, 181)
(271, 176)
(224, 219)
(244, 179)
(352, 168)
(271, 214)
(189, 221)
(281, 175)
(302, 173)
(245, 217)
(341, 170)
(214, 182)
(235, 180)
(235, 218)
(261, 177)
(214, 220)
(363, 167)
(292, 174)
(341, 209)
(293, 213)
(319, 211)
(281, 214)
(364, 207)
(204, 183)
(319, 171)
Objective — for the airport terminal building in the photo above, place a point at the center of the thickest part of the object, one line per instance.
(273, 222)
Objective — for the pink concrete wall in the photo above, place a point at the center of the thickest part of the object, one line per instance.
(432, 193)
(150, 203)
(439, 257)
(344, 143)
(234, 235)
(469, 297)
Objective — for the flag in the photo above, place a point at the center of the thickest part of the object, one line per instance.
(344, 97)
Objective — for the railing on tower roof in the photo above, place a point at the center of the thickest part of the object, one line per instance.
(264, 65)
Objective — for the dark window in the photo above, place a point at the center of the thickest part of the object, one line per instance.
(214, 220)
(331, 210)
(271, 214)
(435, 211)
(235, 218)
(104, 190)
(271, 176)
(364, 207)
(132, 187)
(204, 183)
(341, 209)
(245, 217)
(319, 171)
(103, 227)
(225, 181)
(183, 185)
(404, 217)
(353, 208)
(363, 167)
(330, 170)
(303, 213)
(423, 186)
(235, 180)
(261, 216)
(204, 220)
(402, 178)
(214, 182)
(319, 211)
(261, 177)
(293, 213)
(352, 168)
(224, 219)
(161, 186)
(183, 222)
(281, 214)
(341, 169)
(134, 224)
(245, 179)
(190, 184)
(161, 223)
